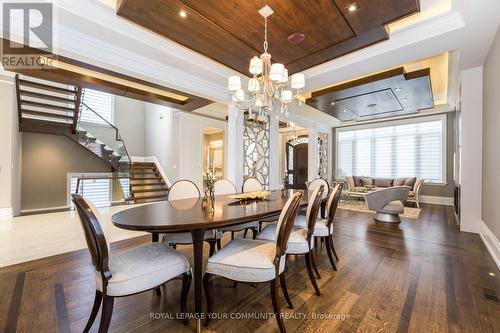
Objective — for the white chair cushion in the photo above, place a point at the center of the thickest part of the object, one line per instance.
(297, 243)
(186, 238)
(245, 260)
(239, 227)
(320, 228)
(142, 268)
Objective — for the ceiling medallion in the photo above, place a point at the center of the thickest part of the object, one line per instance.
(268, 89)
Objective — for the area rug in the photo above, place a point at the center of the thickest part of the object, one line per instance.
(360, 206)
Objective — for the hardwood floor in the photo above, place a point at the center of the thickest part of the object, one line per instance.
(421, 276)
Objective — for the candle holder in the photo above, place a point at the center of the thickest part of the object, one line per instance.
(210, 190)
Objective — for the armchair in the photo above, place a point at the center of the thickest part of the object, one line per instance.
(388, 203)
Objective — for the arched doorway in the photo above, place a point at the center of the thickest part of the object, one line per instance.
(297, 161)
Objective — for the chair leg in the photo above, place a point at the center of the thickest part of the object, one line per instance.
(313, 262)
(107, 312)
(333, 248)
(255, 231)
(329, 251)
(245, 233)
(219, 244)
(208, 296)
(211, 242)
(285, 290)
(232, 235)
(186, 284)
(95, 310)
(276, 305)
(311, 273)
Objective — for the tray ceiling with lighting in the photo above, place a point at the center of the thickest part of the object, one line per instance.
(303, 34)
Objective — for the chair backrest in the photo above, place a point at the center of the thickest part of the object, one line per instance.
(313, 209)
(94, 236)
(251, 185)
(183, 189)
(331, 198)
(285, 224)
(224, 186)
(317, 183)
(333, 205)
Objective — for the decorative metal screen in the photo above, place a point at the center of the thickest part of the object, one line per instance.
(322, 159)
(256, 149)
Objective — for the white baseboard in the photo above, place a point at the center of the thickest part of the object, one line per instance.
(445, 201)
(6, 213)
(43, 210)
(491, 243)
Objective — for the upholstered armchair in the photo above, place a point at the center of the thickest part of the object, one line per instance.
(388, 203)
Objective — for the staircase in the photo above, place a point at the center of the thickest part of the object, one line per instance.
(146, 183)
(54, 108)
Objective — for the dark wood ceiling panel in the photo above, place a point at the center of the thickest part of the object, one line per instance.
(231, 31)
(319, 20)
(371, 14)
(385, 94)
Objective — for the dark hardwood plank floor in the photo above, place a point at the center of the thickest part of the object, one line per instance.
(421, 276)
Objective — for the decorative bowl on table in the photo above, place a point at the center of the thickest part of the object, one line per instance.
(258, 195)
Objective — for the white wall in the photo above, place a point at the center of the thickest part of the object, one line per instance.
(472, 130)
(129, 117)
(10, 153)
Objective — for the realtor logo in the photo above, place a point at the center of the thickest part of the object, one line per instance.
(28, 35)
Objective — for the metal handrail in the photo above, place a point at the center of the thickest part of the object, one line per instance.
(118, 136)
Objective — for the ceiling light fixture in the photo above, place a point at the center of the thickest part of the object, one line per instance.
(398, 89)
(352, 8)
(332, 103)
(269, 85)
(492, 274)
(344, 110)
(182, 13)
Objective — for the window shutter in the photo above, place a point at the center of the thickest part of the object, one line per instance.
(101, 103)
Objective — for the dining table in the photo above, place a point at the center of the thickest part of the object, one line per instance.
(197, 216)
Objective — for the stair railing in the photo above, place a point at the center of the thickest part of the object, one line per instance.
(85, 108)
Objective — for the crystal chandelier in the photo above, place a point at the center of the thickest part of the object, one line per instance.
(269, 87)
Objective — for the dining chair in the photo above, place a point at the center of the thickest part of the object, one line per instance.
(317, 183)
(183, 190)
(225, 187)
(129, 272)
(323, 229)
(251, 184)
(301, 239)
(255, 261)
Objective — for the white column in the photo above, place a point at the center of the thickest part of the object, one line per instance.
(10, 152)
(235, 146)
(472, 135)
(274, 154)
(312, 172)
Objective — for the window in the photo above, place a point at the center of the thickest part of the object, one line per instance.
(98, 191)
(406, 148)
(101, 103)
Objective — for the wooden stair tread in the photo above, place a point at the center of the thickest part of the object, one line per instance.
(150, 190)
(146, 178)
(151, 197)
(144, 167)
(44, 96)
(43, 86)
(45, 114)
(47, 106)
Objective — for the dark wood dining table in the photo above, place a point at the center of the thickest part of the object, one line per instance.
(196, 216)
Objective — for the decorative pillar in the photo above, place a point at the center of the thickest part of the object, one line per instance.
(274, 154)
(234, 151)
(312, 164)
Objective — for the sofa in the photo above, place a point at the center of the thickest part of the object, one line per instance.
(358, 186)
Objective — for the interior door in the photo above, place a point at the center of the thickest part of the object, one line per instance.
(300, 163)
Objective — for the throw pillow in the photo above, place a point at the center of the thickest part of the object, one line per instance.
(357, 181)
(379, 182)
(410, 182)
(399, 182)
(367, 181)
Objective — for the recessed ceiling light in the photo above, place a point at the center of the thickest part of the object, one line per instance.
(492, 274)
(332, 103)
(182, 13)
(344, 110)
(352, 8)
(404, 99)
(398, 89)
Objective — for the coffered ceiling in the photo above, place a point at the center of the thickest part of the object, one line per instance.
(231, 31)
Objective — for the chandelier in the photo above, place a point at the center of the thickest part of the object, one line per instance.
(269, 89)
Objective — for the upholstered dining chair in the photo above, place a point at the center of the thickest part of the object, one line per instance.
(255, 261)
(323, 229)
(301, 239)
(317, 183)
(225, 187)
(129, 272)
(183, 190)
(251, 184)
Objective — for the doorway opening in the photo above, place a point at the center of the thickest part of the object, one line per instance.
(294, 157)
(213, 152)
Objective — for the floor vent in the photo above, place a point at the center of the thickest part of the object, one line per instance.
(490, 294)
